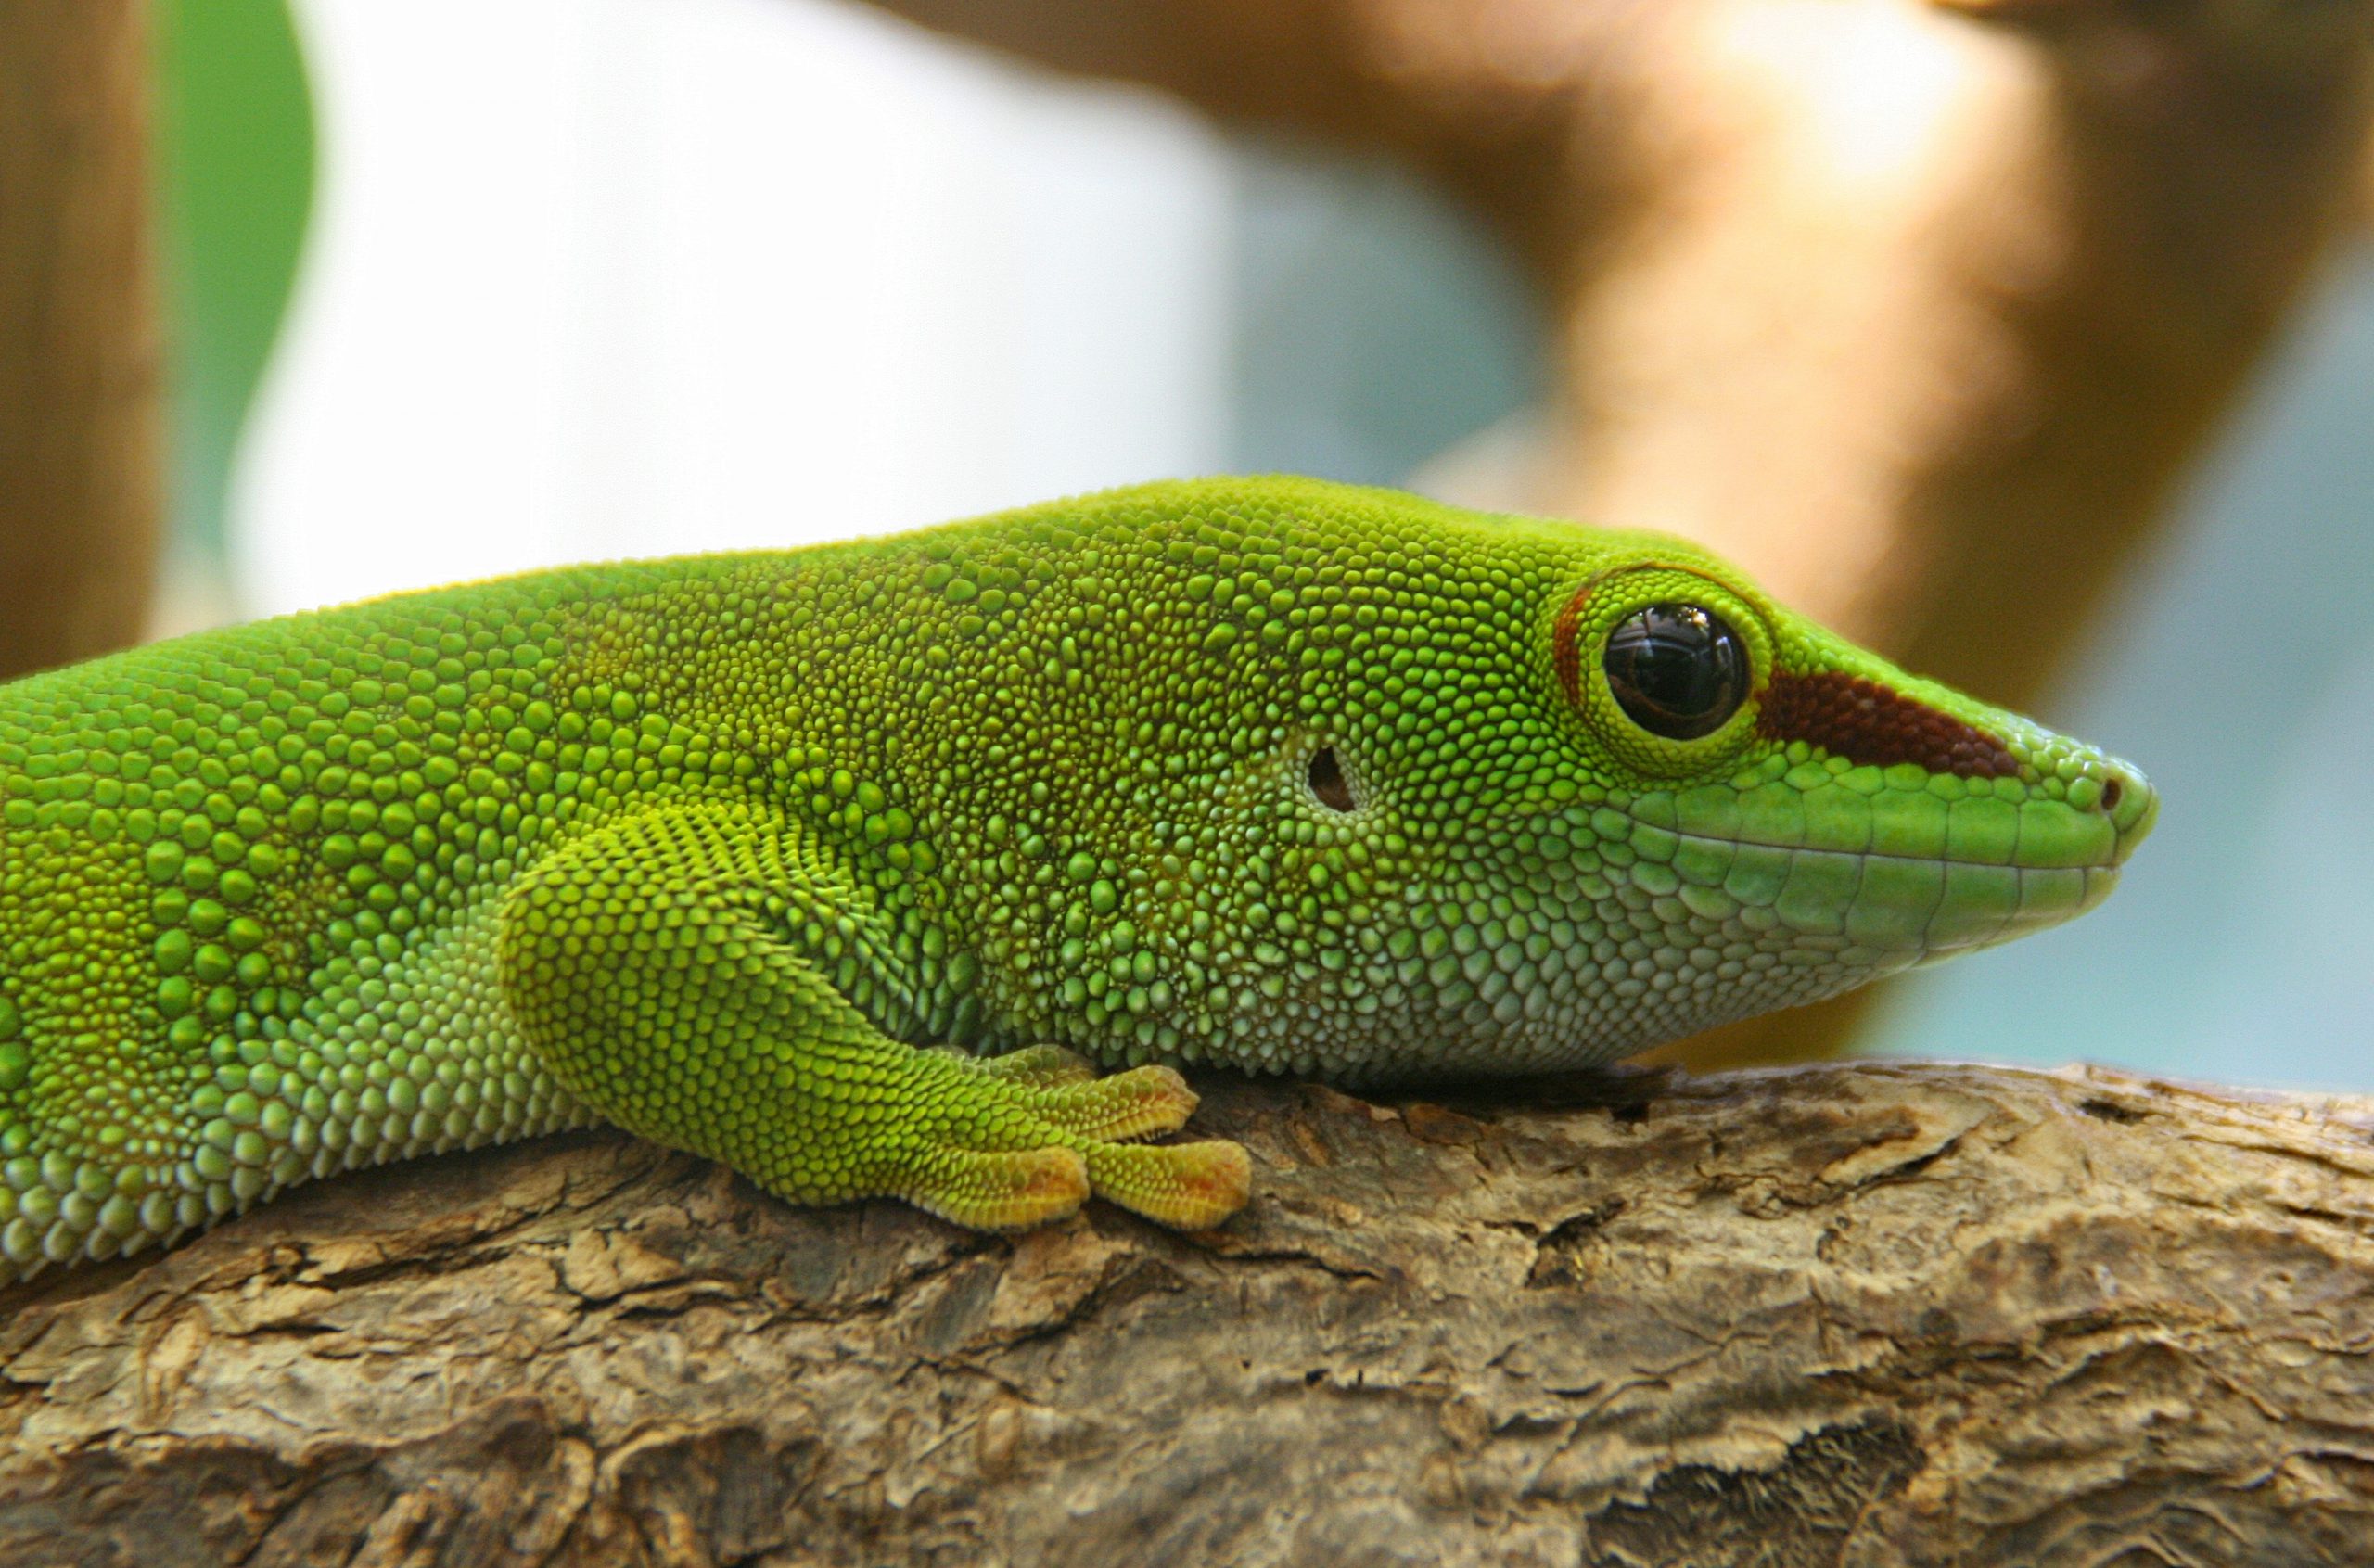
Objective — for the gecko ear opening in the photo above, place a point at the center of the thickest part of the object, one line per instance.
(1327, 781)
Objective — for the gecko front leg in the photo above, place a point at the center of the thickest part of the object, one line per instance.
(655, 965)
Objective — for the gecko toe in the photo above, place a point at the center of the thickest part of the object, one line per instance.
(1138, 1104)
(1006, 1189)
(1185, 1186)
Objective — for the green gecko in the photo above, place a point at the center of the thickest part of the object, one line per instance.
(841, 864)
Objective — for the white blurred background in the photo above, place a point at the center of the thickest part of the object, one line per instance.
(600, 277)
(624, 276)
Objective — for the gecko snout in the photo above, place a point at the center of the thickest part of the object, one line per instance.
(2130, 803)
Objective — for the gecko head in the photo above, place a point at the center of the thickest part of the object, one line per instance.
(1805, 786)
(1710, 805)
(1427, 791)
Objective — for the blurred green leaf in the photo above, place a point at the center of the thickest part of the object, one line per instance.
(235, 180)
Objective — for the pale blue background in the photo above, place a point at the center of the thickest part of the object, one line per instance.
(2238, 673)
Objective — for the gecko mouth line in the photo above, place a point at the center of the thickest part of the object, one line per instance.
(2124, 842)
(1993, 902)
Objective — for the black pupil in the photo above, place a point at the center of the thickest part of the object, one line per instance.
(1677, 669)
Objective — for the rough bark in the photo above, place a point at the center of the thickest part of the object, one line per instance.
(81, 388)
(1875, 1315)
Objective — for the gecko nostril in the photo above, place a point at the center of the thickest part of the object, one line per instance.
(2110, 793)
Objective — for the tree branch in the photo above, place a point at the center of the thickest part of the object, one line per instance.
(1899, 1314)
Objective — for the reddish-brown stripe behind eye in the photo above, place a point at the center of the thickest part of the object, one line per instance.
(1864, 723)
(1564, 657)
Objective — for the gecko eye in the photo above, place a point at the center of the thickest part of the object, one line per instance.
(1676, 670)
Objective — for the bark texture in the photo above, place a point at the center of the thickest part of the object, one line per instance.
(81, 385)
(1872, 1315)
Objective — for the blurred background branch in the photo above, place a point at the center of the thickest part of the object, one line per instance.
(1918, 309)
(81, 392)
